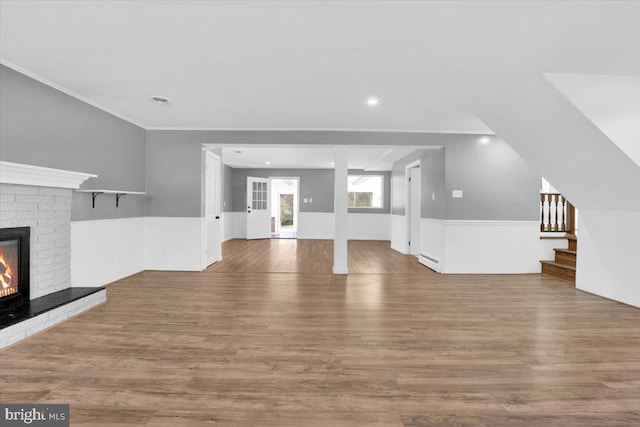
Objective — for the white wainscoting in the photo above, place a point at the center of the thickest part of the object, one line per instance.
(368, 226)
(608, 255)
(316, 225)
(234, 225)
(432, 243)
(478, 247)
(174, 244)
(498, 247)
(239, 225)
(103, 251)
(399, 233)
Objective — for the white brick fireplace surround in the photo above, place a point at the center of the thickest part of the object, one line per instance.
(40, 198)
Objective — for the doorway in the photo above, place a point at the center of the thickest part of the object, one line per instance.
(213, 245)
(284, 207)
(413, 207)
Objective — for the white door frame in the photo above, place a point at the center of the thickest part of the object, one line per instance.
(211, 258)
(296, 198)
(407, 204)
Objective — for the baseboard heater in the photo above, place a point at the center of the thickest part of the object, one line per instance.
(430, 262)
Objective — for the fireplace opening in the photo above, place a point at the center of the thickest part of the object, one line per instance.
(14, 266)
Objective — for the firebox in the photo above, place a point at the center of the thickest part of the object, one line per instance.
(14, 266)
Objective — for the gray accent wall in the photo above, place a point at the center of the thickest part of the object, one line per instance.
(432, 172)
(174, 174)
(497, 184)
(316, 184)
(227, 188)
(175, 159)
(42, 126)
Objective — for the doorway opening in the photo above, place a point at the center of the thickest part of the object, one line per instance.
(413, 207)
(284, 207)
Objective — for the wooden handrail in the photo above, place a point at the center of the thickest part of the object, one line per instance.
(557, 214)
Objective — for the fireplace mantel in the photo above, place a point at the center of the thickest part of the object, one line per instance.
(18, 173)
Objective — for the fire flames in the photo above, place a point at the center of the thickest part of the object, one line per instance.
(6, 278)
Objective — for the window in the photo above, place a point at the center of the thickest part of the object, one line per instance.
(364, 191)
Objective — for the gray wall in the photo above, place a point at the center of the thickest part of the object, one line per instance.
(227, 188)
(316, 184)
(174, 161)
(497, 183)
(174, 174)
(432, 172)
(44, 127)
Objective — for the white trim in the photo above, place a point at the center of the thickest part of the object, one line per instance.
(18, 173)
(362, 130)
(69, 92)
(432, 241)
(340, 270)
(506, 223)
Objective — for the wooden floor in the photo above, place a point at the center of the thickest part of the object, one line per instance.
(312, 256)
(314, 349)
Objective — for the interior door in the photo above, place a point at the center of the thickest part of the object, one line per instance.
(258, 208)
(212, 210)
(415, 212)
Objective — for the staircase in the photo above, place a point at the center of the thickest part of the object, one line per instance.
(564, 265)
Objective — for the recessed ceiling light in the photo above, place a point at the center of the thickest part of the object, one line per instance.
(484, 140)
(160, 100)
(238, 151)
(332, 163)
(372, 101)
(267, 163)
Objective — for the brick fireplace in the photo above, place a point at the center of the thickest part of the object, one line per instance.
(35, 202)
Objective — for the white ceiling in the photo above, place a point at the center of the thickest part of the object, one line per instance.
(315, 157)
(311, 65)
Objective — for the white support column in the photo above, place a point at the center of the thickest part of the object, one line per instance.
(340, 265)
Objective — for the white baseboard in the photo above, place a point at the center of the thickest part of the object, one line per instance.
(174, 244)
(103, 251)
(432, 240)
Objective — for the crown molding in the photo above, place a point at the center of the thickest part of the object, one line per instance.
(18, 173)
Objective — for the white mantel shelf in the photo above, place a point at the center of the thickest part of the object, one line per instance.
(21, 174)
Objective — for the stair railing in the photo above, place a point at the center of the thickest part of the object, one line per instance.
(556, 214)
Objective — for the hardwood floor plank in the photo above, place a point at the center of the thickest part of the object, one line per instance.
(302, 347)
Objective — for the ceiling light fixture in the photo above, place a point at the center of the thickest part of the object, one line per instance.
(160, 100)
(372, 101)
(484, 140)
(267, 163)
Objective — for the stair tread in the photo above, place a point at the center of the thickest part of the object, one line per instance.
(557, 264)
(558, 238)
(566, 251)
